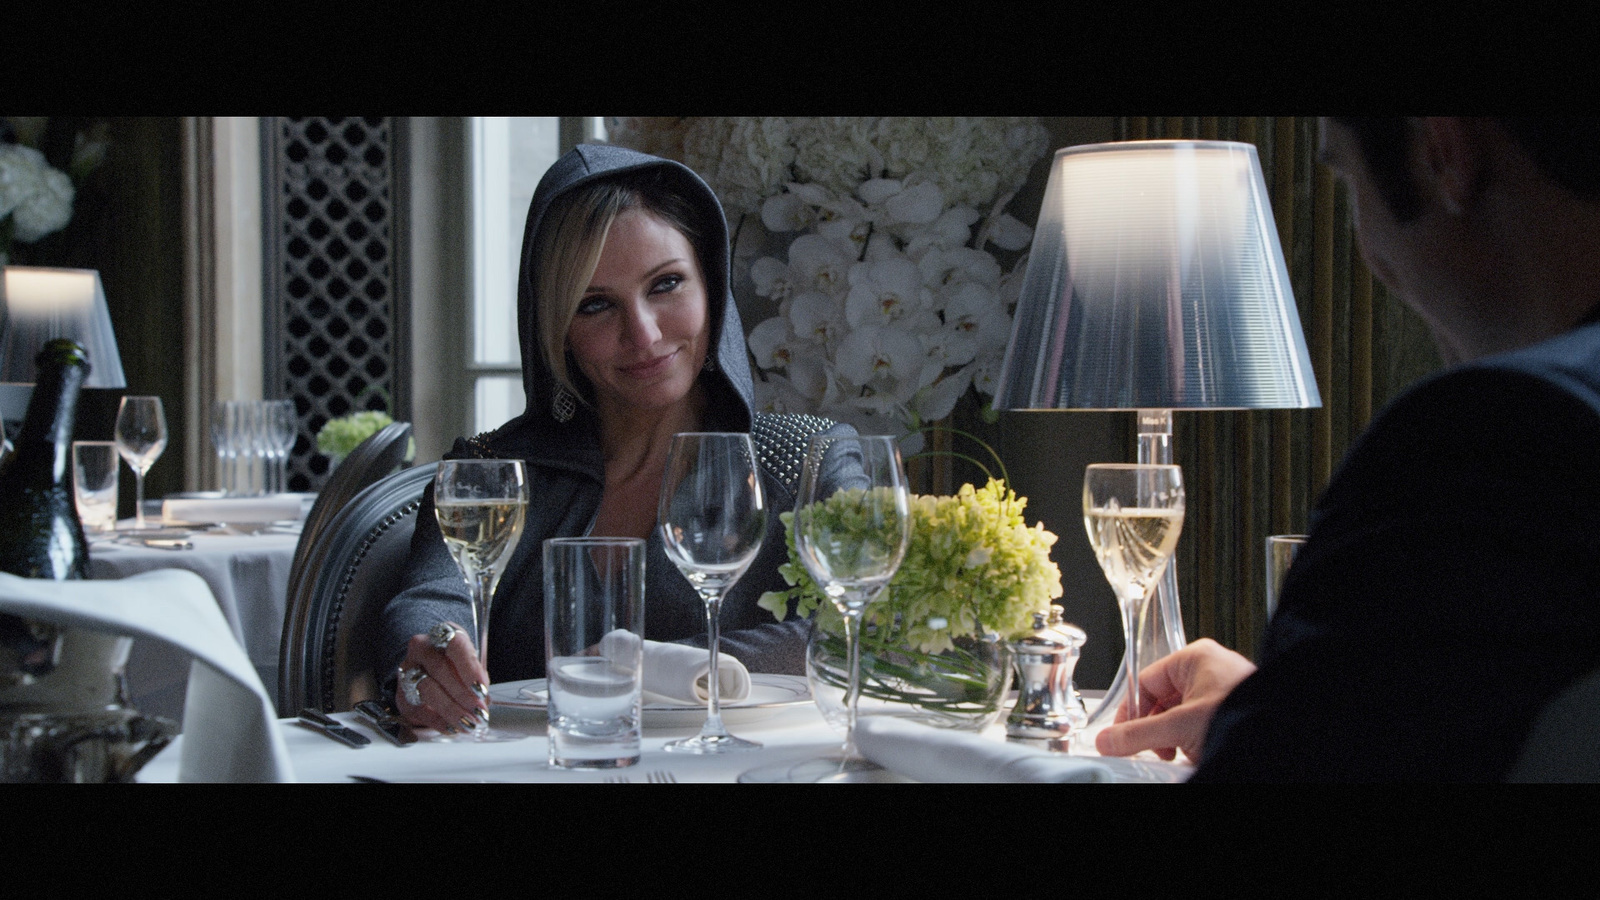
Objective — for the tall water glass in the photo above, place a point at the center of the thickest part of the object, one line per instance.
(94, 484)
(1281, 549)
(481, 505)
(713, 519)
(1133, 514)
(141, 433)
(594, 650)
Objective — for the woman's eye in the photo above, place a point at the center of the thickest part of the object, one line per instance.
(588, 306)
(668, 283)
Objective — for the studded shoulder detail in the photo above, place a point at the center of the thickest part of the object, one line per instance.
(781, 441)
(478, 446)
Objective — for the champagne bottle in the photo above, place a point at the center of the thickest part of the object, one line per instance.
(40, 533)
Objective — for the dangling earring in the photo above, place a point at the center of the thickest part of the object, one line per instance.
(564, 404)
(710, 364)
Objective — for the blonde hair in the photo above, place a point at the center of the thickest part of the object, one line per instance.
(568, 246)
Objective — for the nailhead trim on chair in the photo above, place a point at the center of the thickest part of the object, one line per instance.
(330, 640)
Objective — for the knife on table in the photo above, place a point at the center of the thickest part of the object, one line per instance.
(319, 721)
(387, 722)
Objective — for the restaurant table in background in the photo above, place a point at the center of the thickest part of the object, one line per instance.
(790, 734)
(248, 574)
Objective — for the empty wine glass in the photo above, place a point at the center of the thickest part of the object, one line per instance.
(481, 505)
(141, 435)
(852, 525)
(713, 517)
(1133, 514)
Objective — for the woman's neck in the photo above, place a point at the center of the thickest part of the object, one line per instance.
(634, 440)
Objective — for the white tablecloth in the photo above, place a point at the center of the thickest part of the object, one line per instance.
(789, 735)
(248, 574)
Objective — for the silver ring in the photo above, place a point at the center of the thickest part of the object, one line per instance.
(409, 679)
(441, 635)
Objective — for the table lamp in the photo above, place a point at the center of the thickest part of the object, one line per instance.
(1156, 282)
(39, 304)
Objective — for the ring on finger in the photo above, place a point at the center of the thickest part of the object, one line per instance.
(441, 635)
(410, 677)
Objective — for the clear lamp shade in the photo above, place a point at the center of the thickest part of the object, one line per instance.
(38, 305)
(1156, 281)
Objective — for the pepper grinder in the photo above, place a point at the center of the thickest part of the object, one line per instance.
(1048, 707)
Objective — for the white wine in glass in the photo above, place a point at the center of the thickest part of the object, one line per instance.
(141, 434)
(481, 505)
(1133, 514)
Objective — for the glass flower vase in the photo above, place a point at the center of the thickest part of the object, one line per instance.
(961, 687)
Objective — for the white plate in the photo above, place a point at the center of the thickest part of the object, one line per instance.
(768, 695)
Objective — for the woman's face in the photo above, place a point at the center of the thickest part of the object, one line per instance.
(642, 331)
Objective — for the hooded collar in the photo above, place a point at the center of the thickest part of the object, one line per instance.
(536, 433)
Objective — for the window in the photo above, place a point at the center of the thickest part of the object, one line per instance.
(509, 154)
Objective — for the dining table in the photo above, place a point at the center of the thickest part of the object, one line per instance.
(247, 568)
(780, 716)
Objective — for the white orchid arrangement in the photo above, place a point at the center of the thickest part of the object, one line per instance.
(36, 197)
(890, 304)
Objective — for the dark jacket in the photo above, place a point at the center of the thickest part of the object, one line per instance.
(1449, 587)
(566, 476)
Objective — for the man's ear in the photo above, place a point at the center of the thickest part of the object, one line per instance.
(1451, 166)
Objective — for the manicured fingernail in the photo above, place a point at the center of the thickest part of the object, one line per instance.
(467, 723)
(479, 689)
(482, 714)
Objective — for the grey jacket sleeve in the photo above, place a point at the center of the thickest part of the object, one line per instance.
(435, 593)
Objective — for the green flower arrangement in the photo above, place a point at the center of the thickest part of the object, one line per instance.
(344, 434)
(935, 640)
(973, 566)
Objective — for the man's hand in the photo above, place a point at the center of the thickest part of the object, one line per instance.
(1181, 691)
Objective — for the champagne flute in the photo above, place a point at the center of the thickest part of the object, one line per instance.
(224, 435)
(713, 517)
(1133, 514)
(141, 434)
(852, 525)
(280, 431)
(481, 505)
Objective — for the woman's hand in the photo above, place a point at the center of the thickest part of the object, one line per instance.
(451, 684)
(1182, 691)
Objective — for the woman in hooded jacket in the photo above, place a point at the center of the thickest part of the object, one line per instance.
(629, 334)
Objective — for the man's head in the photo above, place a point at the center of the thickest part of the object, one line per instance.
(1487, 228)
(1566, 150)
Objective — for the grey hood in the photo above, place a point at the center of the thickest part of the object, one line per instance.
(729, 387)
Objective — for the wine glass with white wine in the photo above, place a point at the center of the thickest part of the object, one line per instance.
(141, 435)
(1133, 514)
(481, 505)
(713, 519)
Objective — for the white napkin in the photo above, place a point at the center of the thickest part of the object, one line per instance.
(230, 732)
(939, 755)
(230, 510)
(679, 672)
